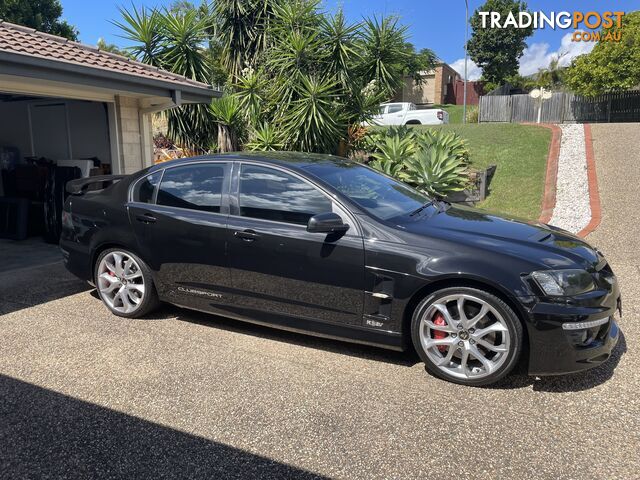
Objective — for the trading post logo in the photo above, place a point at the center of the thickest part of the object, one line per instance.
(587, 25)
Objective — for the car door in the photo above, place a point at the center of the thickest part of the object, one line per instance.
(182, 231)
(278, 266)
(395, 114)
(379, 117)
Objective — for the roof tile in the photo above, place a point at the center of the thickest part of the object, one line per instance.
(27, 41)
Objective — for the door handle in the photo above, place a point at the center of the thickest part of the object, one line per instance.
(247, 235)
(146, 218)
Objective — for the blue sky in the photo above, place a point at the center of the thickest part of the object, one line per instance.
(436, 24)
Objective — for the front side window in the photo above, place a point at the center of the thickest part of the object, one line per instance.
(145, 188)
(197, 187)
(271, 194)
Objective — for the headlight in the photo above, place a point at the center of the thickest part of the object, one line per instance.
(564, 282)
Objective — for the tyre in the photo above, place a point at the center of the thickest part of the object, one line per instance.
(466, 336)
(124, 283)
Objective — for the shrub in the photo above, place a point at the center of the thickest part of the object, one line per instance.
(434, 161)
(473, 114)
(436, 170)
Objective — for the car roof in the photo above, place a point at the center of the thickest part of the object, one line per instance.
(295, 160)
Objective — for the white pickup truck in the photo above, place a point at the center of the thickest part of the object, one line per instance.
(405, 113)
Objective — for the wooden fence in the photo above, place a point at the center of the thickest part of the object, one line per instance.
(561, 108)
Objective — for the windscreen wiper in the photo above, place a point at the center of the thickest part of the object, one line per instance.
(441, 205)
(421, 208)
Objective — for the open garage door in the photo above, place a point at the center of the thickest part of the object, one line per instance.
(44, 142)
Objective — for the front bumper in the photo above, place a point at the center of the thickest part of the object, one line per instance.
(555, 350)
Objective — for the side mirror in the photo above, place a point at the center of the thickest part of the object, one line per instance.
(326, 223)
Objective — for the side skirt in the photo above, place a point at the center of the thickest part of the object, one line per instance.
(350, 334)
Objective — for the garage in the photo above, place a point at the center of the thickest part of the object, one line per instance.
(67, 111)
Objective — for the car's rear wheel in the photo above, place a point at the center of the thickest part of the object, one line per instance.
(124, 283)
(466, 335)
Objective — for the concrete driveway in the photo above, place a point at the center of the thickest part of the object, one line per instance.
(87, 394)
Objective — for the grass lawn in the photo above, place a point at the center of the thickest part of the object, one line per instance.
(520, 152)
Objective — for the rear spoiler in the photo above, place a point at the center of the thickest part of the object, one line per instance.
(80, 185)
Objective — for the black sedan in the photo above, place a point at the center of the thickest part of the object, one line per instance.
(323, 245)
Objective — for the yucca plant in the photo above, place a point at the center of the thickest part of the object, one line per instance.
(383, 52)
(265, 138)
(339, 40)
(251, 88)
(142, 28)
(312, 123)
(172, 40)
(435, 170)
(242, 29)
(227, 112)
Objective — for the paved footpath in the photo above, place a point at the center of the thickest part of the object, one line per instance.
(87, 394)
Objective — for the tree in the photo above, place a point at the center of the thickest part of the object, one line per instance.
(551, 76)
(112, 48)
(297, 78)
(242, 27)
(498, 50)
(611, 66)
(173, 40)
(43, 15)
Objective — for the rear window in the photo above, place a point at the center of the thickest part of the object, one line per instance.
(196, 187)
(145, 188)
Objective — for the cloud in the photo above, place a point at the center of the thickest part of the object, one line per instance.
(473, 71)
(535, 56)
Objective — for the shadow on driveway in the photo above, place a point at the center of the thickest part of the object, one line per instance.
(35, 285)
(45, 434)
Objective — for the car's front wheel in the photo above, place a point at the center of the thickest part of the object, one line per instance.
(466, 335)
(124, 283)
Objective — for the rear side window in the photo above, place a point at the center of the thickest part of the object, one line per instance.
(271, 194)
(394, 108)
(145, 188)
(196, 187)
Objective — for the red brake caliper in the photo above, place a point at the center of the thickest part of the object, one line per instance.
(437, 334)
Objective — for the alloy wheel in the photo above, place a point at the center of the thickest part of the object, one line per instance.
(465, 336)
(120, 281)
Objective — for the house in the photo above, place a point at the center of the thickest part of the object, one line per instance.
(69, 107)
(440, 86)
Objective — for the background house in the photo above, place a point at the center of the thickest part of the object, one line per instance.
(440, 86)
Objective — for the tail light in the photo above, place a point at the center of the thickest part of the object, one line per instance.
(440, 114)
(67, 221)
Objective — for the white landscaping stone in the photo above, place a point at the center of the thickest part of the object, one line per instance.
(573, 210)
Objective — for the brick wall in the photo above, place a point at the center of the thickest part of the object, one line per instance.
(133, 156)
